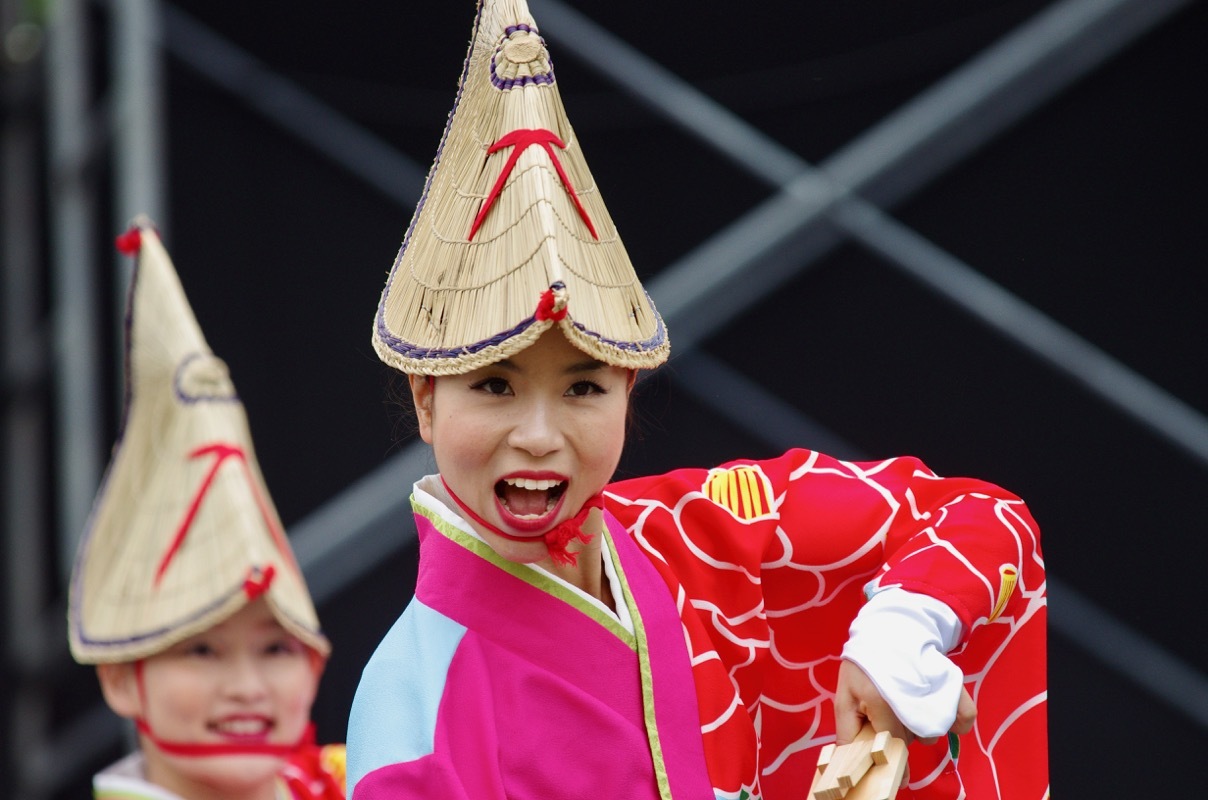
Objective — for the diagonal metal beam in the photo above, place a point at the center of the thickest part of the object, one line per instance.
(366, 524)
(784, 235)
(1000, 86)
(1146, 402)
(285, 103)
(941, 126)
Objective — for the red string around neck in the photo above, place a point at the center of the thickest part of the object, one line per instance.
(556, 539)
(202, 750)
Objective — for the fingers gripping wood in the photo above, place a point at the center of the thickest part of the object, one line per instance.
(870, 768)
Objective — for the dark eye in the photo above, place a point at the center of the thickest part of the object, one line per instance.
(497, 386)
(200, 650)
(584, 388)
(287, 646)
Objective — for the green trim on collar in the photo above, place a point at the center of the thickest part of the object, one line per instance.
(533, 576)
(643, 649)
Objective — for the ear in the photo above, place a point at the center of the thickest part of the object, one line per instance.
(630, 380)
(423, 387)
(318, 662)
(119, 685)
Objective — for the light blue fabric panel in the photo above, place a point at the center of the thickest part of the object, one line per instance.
(393, 718)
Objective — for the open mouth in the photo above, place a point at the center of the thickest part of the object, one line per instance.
(242, 727)
(529, 498)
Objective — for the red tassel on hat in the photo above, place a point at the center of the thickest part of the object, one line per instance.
(547, 306)
(130, 242)
(258, 581)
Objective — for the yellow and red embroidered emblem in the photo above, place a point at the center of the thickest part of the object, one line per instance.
(743, 490)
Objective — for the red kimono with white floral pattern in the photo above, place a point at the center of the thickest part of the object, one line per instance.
(769, 562)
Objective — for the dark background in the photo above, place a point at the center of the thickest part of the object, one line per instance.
(1090, 209)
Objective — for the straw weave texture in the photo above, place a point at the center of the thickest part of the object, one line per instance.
(455, 302)
(132, 594)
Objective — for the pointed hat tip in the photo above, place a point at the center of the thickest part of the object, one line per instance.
(130, 242)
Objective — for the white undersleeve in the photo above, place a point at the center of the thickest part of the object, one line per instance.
(900, 639)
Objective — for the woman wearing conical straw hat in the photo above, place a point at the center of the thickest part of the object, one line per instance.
(185, 592)
(699, 634)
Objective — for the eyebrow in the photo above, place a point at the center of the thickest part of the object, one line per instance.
(591, 365)
(579, 367)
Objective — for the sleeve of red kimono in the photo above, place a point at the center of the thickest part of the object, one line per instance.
(975, 548)
(774, 556)
(952, 554)
(958, 544)
(965, 542)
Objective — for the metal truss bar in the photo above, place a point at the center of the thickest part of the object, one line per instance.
(139, 150)
(975, 103)
(73, 750)
(666, 94)
(138, 109)
(961, 112)
(720, 388)
(1154, 669)
(23, 366)
(297, 111)
(24, 432)
(77, 396)
(1155, 408)
(1001, 85)
(364, 525)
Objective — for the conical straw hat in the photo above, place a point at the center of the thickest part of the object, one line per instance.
(183, 532)
(511, 236)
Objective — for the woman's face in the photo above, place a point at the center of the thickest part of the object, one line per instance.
(526, 441)
(246, 681)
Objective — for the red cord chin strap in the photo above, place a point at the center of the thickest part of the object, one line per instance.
(201, 750)
(556, 539)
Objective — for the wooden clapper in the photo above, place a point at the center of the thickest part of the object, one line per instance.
(870, 768)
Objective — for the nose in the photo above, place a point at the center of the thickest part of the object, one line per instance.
(245, 678)
(536, 429)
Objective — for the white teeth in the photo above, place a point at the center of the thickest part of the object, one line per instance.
(542, 485)
(243, 727)
(548, 507)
